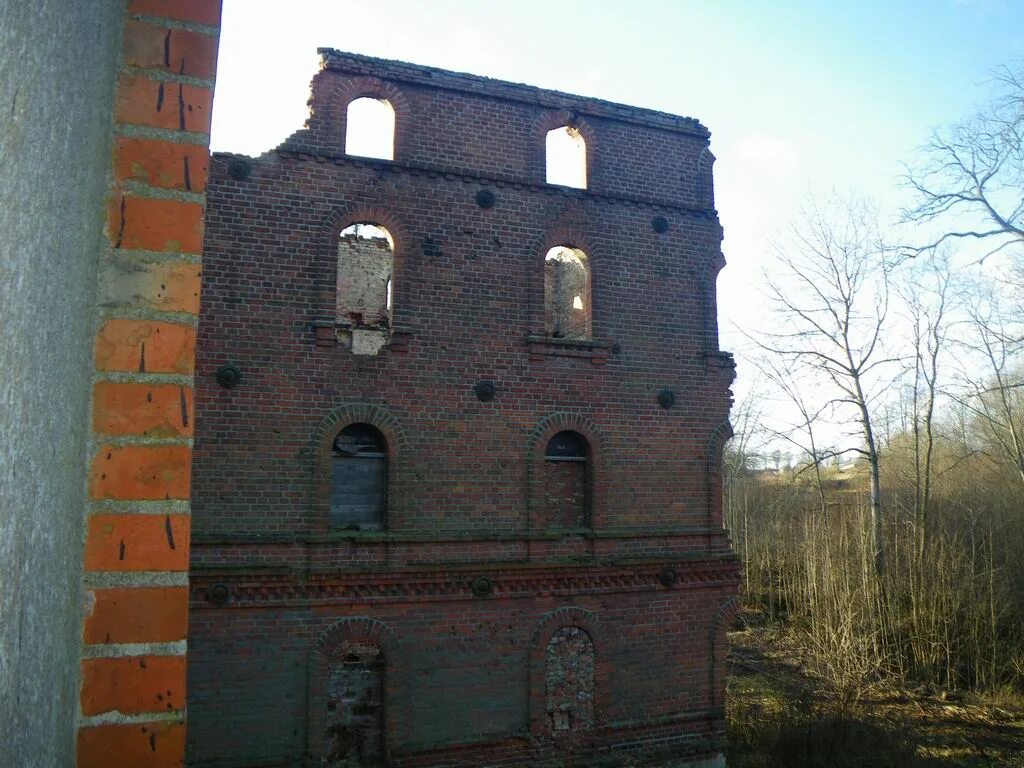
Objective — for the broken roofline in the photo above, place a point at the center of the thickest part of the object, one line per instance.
(434, 77)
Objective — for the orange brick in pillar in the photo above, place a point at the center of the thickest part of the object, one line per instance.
(181, 167)
(124, 542)
(133, 684)
(145, 346)
(152, 745)
(132, 703)
(149, 410)
(136, 615)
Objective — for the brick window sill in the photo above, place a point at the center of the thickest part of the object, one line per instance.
(596, 350)
(326, 335)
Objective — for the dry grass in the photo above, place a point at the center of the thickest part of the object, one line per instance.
(781, 714)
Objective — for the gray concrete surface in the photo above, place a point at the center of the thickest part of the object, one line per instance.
(57, 64)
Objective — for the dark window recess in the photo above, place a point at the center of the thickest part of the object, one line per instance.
(355, 709)
(567, 481)
(359, 479)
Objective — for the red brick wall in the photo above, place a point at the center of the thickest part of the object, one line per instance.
(137, 539)
(467, 481)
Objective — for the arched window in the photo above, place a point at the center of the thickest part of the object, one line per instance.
(567, 481)
(354, 727)
(364, 285)
(566, 155)
(567, 293)
(569, 681)
(370, 128)
(359, 479)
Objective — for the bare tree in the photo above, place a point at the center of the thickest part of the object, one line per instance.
(926, 294)
(830, 288)
(972, 175)
(996, 396)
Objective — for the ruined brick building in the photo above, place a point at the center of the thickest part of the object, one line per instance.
(456, 480)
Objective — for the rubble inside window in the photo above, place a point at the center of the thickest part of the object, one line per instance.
(364, 288)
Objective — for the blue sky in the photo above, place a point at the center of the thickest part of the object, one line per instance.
(800, 96)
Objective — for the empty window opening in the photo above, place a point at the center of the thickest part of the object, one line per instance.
(370, 129)
(567, 481)
(569, 681)
(566, 154)
(566, 293)
(354, 733)
(359, 479)
(365, 288)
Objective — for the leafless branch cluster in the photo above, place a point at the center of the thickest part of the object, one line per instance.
(974, 171)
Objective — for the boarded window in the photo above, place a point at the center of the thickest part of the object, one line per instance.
(566, 481)
(567, 293)
(354, 735)
(370, 129)
(359, 479)
(569, 681)
(566, 154)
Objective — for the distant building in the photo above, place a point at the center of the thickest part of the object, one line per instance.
(457, 476)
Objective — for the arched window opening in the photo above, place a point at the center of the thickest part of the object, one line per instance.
(566, 293)
(567, 481)
(354, 732)
(365, 287)
(566, 154)
(359, 479)
(569, 681)
(370, 129)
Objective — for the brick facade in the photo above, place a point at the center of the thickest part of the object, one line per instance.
(509, 609)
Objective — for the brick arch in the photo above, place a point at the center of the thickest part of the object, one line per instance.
(331, 228)
(718, 650)
(557, 118)
(715, 448)
(358, 628)
(547, 626)
(340, 417)
(574, 237)
(329, 109)
(536, 444)
(329, 646)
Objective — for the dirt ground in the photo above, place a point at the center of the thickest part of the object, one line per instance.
(781, 715)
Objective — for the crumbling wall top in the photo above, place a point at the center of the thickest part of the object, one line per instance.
(400, 71)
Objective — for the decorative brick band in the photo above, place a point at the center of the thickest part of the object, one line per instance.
(249, 588)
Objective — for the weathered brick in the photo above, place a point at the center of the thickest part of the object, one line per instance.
(136, 615)
(137, 543)
(174, 50)
(133, 283)
(140, 745)
(200, 11)
(163, 164)
(141, 472)
(145, 346)
(163, 104)
(133, 685)
(149, 410)
(153, 224)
